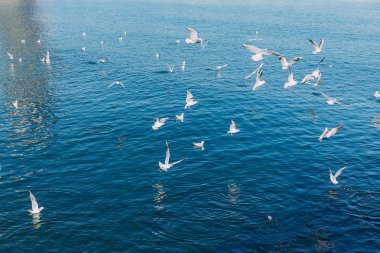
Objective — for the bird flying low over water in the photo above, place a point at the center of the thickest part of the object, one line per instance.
(233, 129)
(159, 123)
(117, 83)
(167, 165)
(376, 94)
(291, 82)
(330, 100)
(333, 177)
(317, 47)
(180, 117)
(170, 68)
(10, 56)
(199, 144)
(190, 101)
(258, 82)
(315, 75)
(46, 59)
(328, 133)
(103, 60)
(183, 65)
(258, 52)
(286, 65)
(35, 208)
(193, 37)
(255, 71)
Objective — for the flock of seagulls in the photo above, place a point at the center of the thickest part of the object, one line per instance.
(258, 55)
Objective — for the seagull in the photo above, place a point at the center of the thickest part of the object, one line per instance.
(183, 65)
(255, 38)
(376, 94)
(120, 39)
(193, 37)
(255, 71)
(35, 208)
(259, 82)
(317, 48)
(39, 42)
(337, 174)
(190, 100)
(157, 56)
(84, 48)
(270, 218)
(102, 43)
(178, 41)
(84, 34)
(315, 75)
(15, 104)
(233, 129)
(159, 123)
(217, 70)
(199, 145)
(103, 60)
(117, 82)
(180, 117)
(23, 41)
(167, 165)
(125, 34)
(291, 82)
(46, 59)
(323, 135)
(170, 67)
(258, 52)
(20, 59)
(333, 131)
(330, 100)
(286, 65)
(10, 56)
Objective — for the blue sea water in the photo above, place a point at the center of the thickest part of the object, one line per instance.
(90, 156)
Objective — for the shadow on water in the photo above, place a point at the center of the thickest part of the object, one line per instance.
(24, 78)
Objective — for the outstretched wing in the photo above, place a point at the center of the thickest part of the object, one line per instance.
(34, 201)
(295, 59)
(189, 96)
(252, 48)
(193, 34)
(339, 172)
(314, 44)
(167, 154)
(321, 43)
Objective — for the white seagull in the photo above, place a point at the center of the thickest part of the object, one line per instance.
(334, 177)
(180, 117)
(193, 37)
(190, 101)
(159, 123)
(286, 65)
(103, 60)
(259, 82)
(178, 41)
(35, 208)
(10, 56)
(330, 100)
(46, 59)
(376, 94)
(167, 165)
(233, 129)
(183, 65)
(323, 135)
(23, 41)
(84, 48)
(328, 133)
(117, 83)
(258, 52)
(315, 75)
(170, 68)
(15, 104)
(199, 144)
(255, 71)
(317, 47)
(291, 82)
(157, 56)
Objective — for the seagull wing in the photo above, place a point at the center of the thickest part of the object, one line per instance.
(323, 134)
(167, 154)
(193, 34)
(252, 48)
(174, 163)
(339, 172)
(295, 59)
(321, 43)
(320, 62)
(314, 44)
(306, 78)
(254, 72)
(290, 77)
(232, 125)
(283, 61)
(325, 96)
(189, 96)
(34, 201)
(163, 120)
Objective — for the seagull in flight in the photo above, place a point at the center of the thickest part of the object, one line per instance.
(103, 60)
(170, 68)
(183, 65)
(180, 117)
(117, 83)
(317, 47)
(258, 52)
(157, 56)
(159, 123)
(315, 75)
(330, 100)
(167, 165)
(376, 94)
(35, 208)
(178, 41)
(199, 145)
(190, 101)
(84, 48)
(255, 71)
(333, 177)
(328, 133)
(10, 56)
(46, 59)
(193, 37)
(286, 65)
(259, 82)
(15, 104)
(291, 82)
(39, 42)
(233, 129)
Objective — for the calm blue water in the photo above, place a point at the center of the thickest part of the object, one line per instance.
(90, 157)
